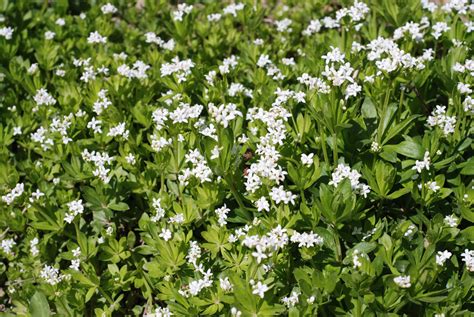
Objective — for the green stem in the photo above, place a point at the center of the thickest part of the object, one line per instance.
(107, 297)
(323, 146)
(334, 149)
(235, 193)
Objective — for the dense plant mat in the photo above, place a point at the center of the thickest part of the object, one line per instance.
(257, 158)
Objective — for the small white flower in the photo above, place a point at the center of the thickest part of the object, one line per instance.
(402, 281)
(225, 284)
(215, 152)
(17, 131)
(130, 158)
(61, 22)
(442, 257)
(260, 289)
(222, 215)
(468, 259)
(33, 68)
(433, 186)
(6, 32)
(49, 35)
(95, 37)
(75, 208)
(108, 8)
(262, 204)
(165, 234)
(42, 97)
(425, 164)
(7, 246)
(34, 246)
(451, 221)
(307, 159)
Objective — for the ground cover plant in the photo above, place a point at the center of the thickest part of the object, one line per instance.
(256, 158)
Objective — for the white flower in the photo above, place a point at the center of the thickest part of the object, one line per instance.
(214, 17)
(14, 193)
(433, 186)
(260, 289)
(138, 70)
(225, 284)
(42, 97)
(75, 208)
(451, 221)
(95, 125)
(49, 35)
(6, 32)
(402, 281)
(181, 68)
(36, 195)
(76, 252)
(442, 257)
(342, 172)
(439, 28)
(159, 211)
(284, 25)
(356, 259)
(60, 22)
(102, 102)
(33, 68)
(119, 130)
(468, 259)
(130, 158)
(34, 246)
(425, 164)
(183, 9)
(313, 27)
(95, 37)
(153, 38)
(352, 90)
(292, 300)
(262, 204)
(75, 264)
(410, 230)
(165, 234)
(215, 152)
(158, 143)
(306, 240)
(222, 215)
(233, 8)
(178, 218)
(439, 118)
(108, 8)
(307, 159)
(224, 114)
(228, 64)
(159, 312)
(194, 252)
(51, 275)
(17, 131)
(278, 194)
(464, 88)
(7, 246)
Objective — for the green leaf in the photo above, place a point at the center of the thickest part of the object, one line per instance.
(408, 148)
(468, 233)
(119, 206)
(368, 109)
(39, 306)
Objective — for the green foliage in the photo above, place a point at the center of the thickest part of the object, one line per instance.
(294, 158)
